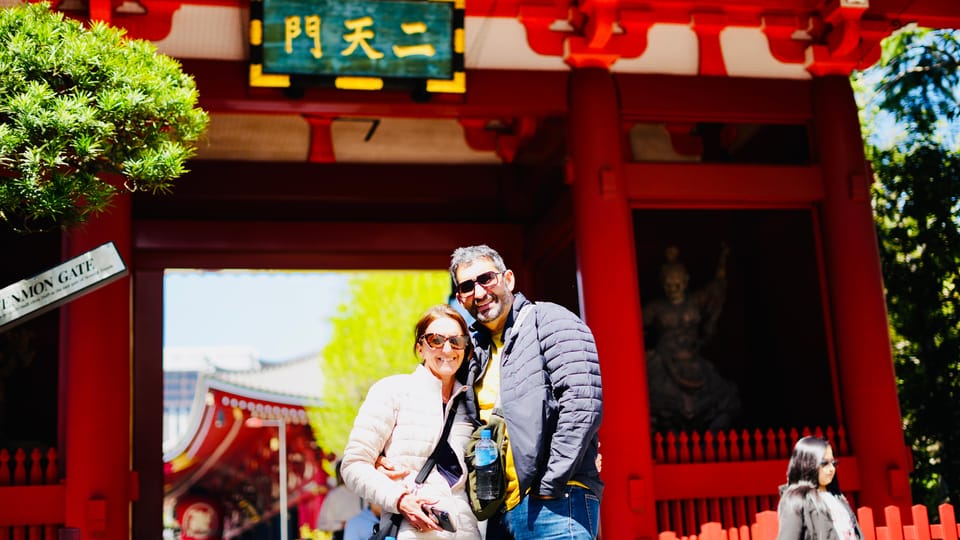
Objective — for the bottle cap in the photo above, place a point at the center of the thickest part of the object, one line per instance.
(485, 434)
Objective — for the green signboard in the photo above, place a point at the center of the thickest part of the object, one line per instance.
(366, 44)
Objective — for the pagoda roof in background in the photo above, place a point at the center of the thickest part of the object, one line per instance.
(295, 382)
(225, 455)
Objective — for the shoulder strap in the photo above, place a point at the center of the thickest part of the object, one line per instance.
(432, 460)
(397, 518)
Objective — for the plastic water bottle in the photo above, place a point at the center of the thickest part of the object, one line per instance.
(487, 466)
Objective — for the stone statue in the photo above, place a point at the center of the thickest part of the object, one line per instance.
(686, 391)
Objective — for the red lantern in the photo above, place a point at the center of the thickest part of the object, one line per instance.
(200, 518)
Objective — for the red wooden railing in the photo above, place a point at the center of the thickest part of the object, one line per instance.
(33, 507)
(765, 527)
(739, 445)
(729, 477)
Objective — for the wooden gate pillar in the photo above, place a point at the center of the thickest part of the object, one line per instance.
(95, 388)
(867, 384)
(610, 301)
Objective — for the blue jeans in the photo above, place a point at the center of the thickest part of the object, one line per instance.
(574, 516)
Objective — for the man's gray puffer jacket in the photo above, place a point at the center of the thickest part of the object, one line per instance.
(551, 396)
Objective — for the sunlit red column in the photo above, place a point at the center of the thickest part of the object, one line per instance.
(868, 387)
(96, 368)
(610, 301)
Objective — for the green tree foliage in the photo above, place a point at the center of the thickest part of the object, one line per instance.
(372, 338)
(77, 102)
(909, 105)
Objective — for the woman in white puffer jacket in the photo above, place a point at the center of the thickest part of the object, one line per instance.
(401, 421)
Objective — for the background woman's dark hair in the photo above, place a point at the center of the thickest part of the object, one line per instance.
(805, 463)
(445, 311)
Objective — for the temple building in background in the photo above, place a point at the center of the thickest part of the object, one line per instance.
(604, 147)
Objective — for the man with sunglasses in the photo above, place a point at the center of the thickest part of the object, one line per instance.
(536, 363)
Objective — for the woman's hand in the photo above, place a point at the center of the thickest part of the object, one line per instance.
(411, 506)
(385, 466)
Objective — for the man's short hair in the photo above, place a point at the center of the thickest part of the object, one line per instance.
(466, 255)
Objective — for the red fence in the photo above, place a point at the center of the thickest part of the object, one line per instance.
(729, 477)
(765, 527)
(739, 445)
(32, 495)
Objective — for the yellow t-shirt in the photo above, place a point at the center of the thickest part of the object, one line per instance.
(488, 389)
(487, 393)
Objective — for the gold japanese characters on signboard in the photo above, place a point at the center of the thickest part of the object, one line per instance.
(362, 44)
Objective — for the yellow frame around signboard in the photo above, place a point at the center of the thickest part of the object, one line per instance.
(257, 77)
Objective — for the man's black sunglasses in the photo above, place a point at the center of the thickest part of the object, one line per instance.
(485, 280)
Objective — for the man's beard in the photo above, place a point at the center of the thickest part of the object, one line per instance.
(490, 314)
(499, 304)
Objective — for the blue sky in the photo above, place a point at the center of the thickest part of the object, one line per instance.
(281, 314)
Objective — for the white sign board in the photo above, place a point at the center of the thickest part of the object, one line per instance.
(85, 273)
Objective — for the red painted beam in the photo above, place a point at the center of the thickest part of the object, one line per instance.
(604, 31)
(32, 505)
(717, 99)
(341, 237)
(930, 13)
(224, 87)
(722, 185)
(732, 479)
(188, 244)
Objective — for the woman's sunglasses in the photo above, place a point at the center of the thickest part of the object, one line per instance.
(436, 341)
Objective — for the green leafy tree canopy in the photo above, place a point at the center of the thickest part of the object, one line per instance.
(909, 114)
(77, 102)
(372, 338)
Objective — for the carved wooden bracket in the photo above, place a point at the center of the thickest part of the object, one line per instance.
(598, 20)
(503, 136)
(843, 40)
(321, 139)
(788, 36)
(594, 34)
(150, 20)
(708, 27)
(833, 39)
(538, 21)
(843, 16)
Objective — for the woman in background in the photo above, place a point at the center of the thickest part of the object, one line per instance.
(811, 505)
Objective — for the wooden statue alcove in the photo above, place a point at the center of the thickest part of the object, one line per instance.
(759, 340)
(687, 393)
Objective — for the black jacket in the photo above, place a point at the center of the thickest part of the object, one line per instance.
(803, 516)
(551, 396)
